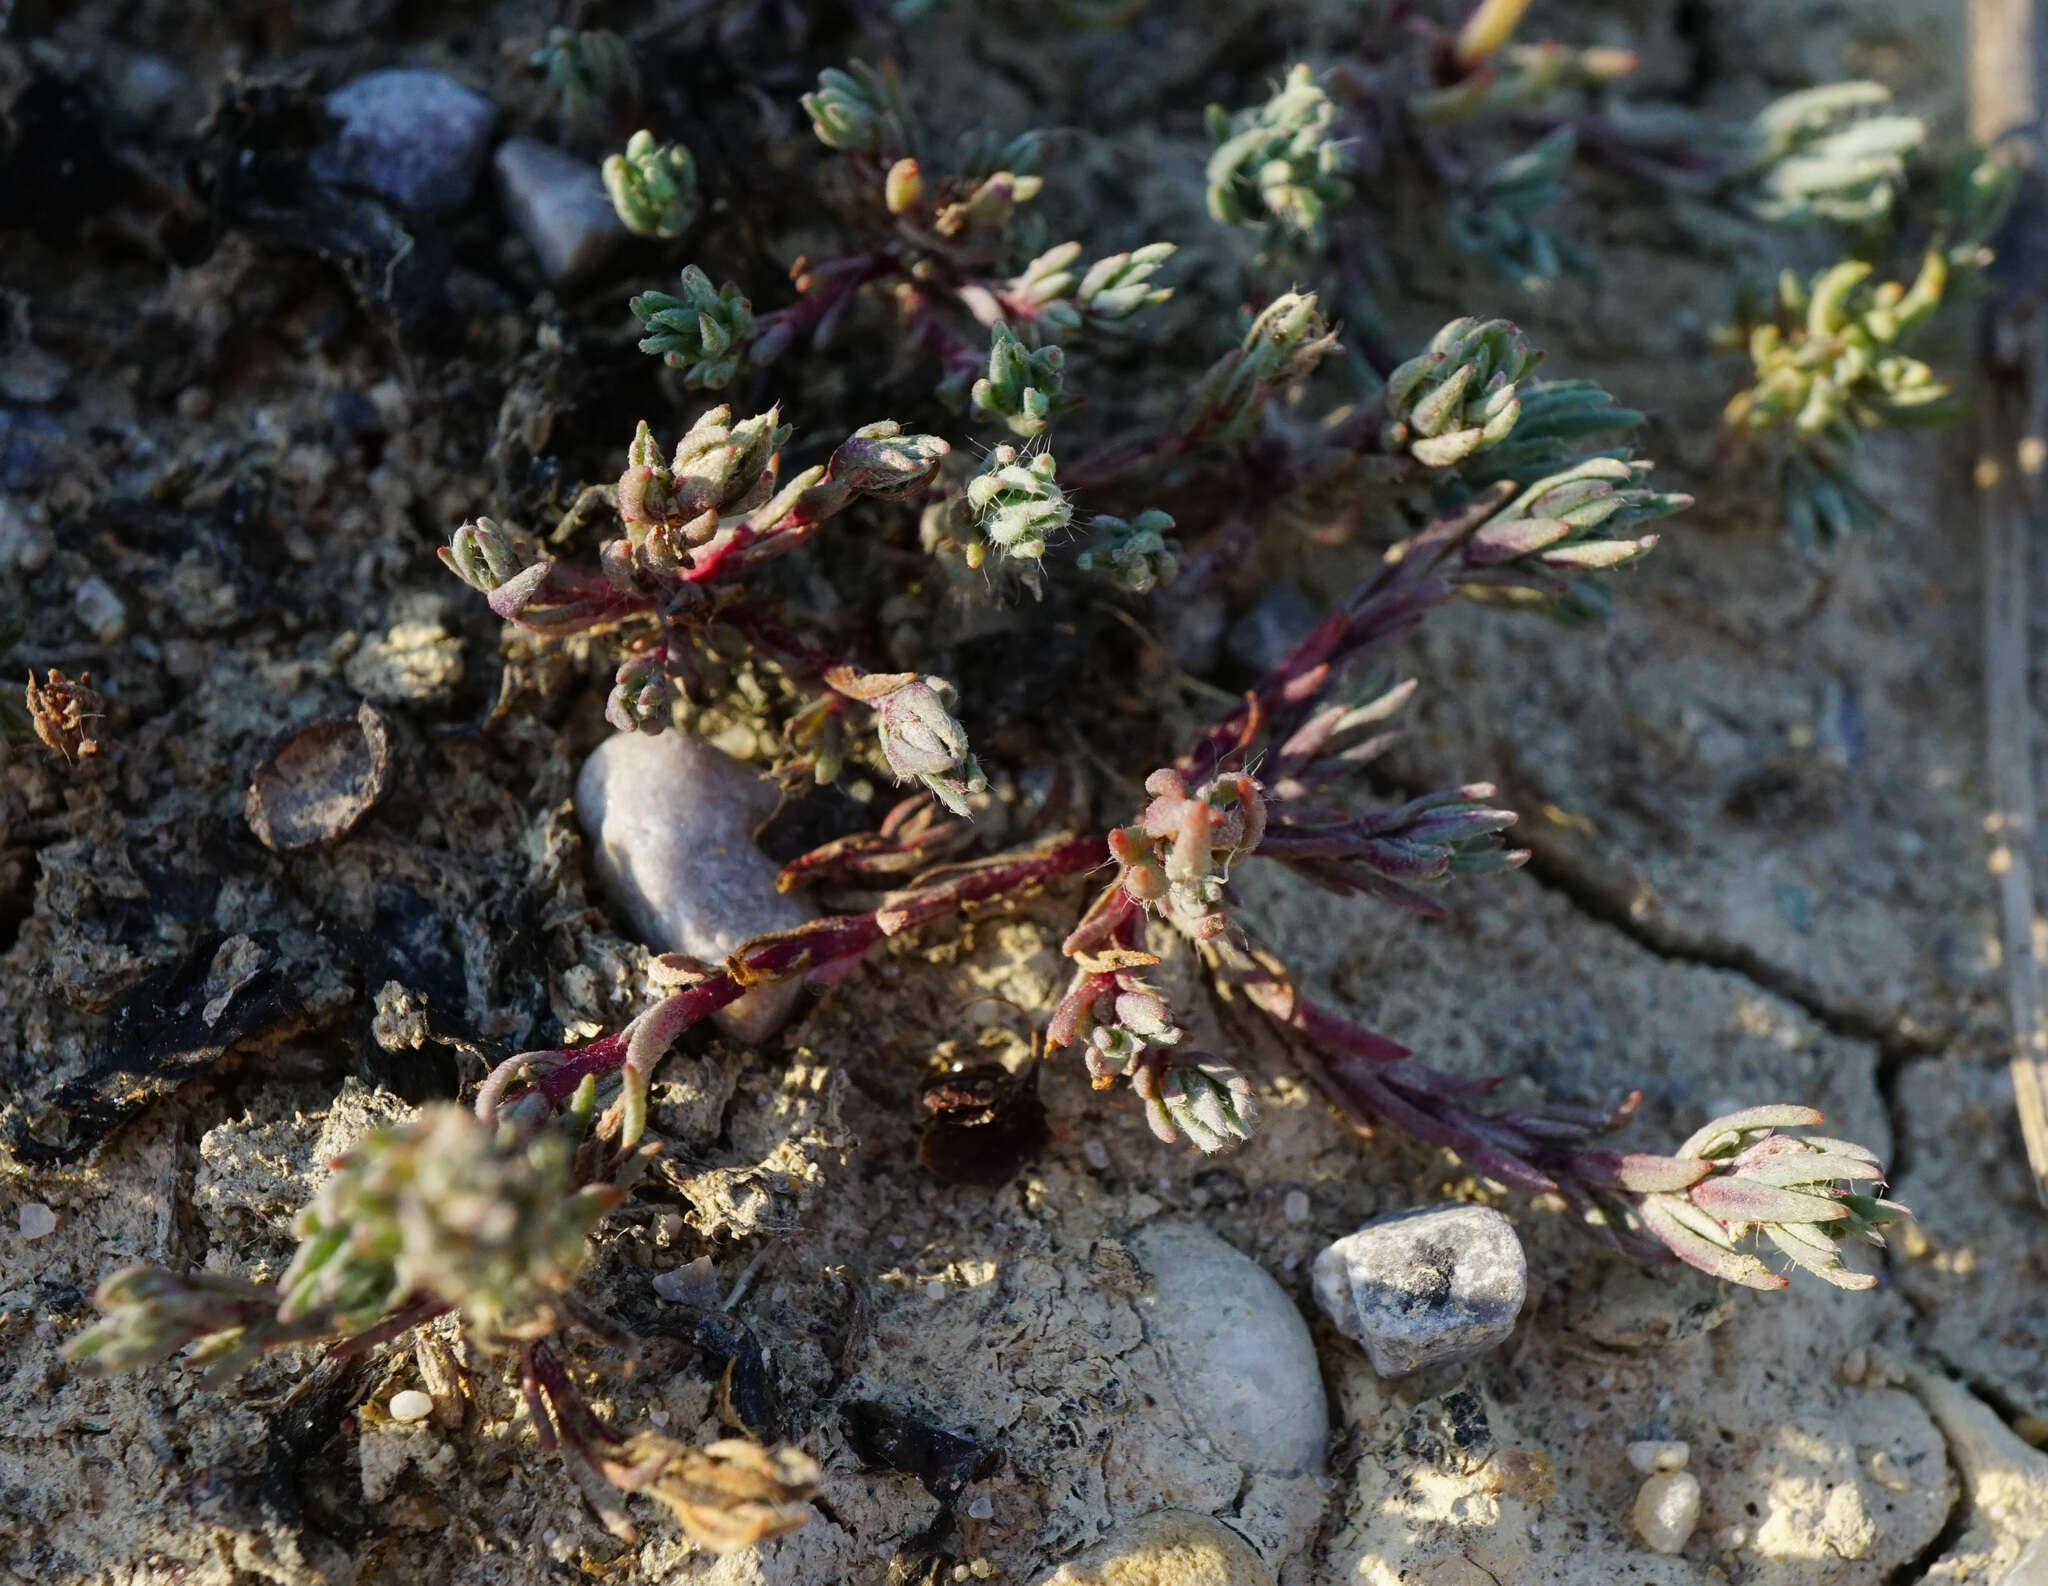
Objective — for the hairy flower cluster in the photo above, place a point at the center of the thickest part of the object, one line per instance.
(1133, 554)
(1022, 386)
(1740, 1176)
(1459, 395)
(705, 331)
(720, 469)
(1497, 222)
(1284, 342)
(1176, 860)
(1102, 297)
(447, 1207)
(1827, 153)
(921, 739)
(1276, 164)
(653, 186)
(1831, 367)
(1018, 505)
(858, 111)
(591, 74)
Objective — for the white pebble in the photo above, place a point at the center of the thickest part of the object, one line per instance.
(100, 609)
(559, 203)
(1295, 1207)
(935, 1290)
(1667, 1508)
(1731, 1538)
(671, 823)
(410, 1404)
(1097, 1154)
(37, 1220)
(659, 1418)
(981, 1508)
(1651, 1457)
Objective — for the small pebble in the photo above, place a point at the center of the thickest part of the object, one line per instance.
(1731, 1538)
(671, 827)
(1097, 1154)
(1666, 1510)
(1295, 1207)
(37, 1220)
(935, 1290)
(416, 136)
(981, 1508)
(1170, 1547)
(144, 88)
(1425, 1287)
(100, 609)
(1237, 1355)
(657, 1418)
(560, 206)
(409, 1404)
(1650, 1457)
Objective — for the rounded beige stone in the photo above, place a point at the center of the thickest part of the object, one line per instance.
(1167, 1548)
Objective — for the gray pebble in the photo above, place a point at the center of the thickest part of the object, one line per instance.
(144, 87)
(1425, 1287)
(560, 206)
(671, 826)
(1237, 1353)
(416, 136)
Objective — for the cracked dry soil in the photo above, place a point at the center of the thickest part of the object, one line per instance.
(1754, 795)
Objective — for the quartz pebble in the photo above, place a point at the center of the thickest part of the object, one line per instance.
(1666, 1510)
(1295, 1207)
(671, 826)
(1170, 1547)
(37, 1220)
(416, 136)
(1651, 1457)
(409, 1404)
(101, 610)
(560, 206)
(1425, 1287)
(1237, 1353)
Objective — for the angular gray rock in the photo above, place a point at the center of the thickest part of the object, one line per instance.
(1238, 1354)
(560, 206)
(1425, 1287)
(671, 826)
(416, 136)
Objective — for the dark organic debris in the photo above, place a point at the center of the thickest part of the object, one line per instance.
(261, 139)
(982, 1124)
(180, 1024)
(727, 1352)
(319, 780)
(887, 1438)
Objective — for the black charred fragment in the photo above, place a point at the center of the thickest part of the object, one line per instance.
(259, 139)
(176, 1026)
(409, 942)
(728, 1354)
(982, 1124)
(886, 1438)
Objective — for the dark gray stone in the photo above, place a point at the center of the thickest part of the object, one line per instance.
(1276, 622)
(1425, 1287)
(417, 137)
